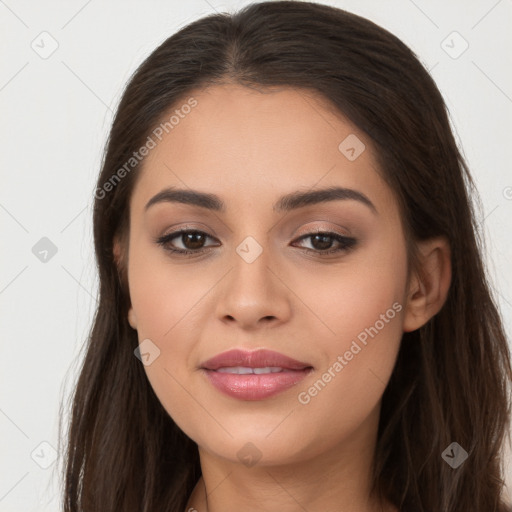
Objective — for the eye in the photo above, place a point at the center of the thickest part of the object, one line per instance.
(322, 242)
(193, 242)
(191, 239)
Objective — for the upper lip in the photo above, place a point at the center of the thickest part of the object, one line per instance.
(253, 359)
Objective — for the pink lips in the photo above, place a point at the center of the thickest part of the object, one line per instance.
(252, 386)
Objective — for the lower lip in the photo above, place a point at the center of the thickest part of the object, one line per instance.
(255, 387)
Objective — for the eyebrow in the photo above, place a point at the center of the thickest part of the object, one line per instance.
(285, 203)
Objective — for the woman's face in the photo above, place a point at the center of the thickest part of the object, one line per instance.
(259, 282)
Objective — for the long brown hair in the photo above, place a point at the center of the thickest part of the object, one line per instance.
(452, 376)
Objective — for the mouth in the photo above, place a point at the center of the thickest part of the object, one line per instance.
(254, 375)
(245, 370)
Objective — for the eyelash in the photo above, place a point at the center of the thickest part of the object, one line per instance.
(347, 243)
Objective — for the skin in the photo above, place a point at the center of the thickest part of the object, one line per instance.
(250, 147)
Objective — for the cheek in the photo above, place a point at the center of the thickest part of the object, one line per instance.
(363, 307)
(353, 296)
(163, 295)
(168, 301)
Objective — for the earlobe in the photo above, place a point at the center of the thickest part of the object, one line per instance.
(117, 251)
(429, 287)
(132, 319)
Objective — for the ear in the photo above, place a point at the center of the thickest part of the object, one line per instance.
(428, 288)
(132, 319)
(116, 249)
(120, 264)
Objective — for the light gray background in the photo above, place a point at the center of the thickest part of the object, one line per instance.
(56, 113)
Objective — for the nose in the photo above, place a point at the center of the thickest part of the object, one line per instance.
(254, 294)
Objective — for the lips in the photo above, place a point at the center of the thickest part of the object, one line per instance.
(254, 375)
(257, 359)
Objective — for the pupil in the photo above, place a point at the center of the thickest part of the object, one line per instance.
(325, 241)
(195, 241)
(189, 237)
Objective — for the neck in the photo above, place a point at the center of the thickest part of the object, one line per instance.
(337, 479)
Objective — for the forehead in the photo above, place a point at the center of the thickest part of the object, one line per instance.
(253, 145)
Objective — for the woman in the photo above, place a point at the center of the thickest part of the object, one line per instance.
(293, 311)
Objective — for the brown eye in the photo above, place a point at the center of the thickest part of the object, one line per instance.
(192, 241)
(323, 241)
